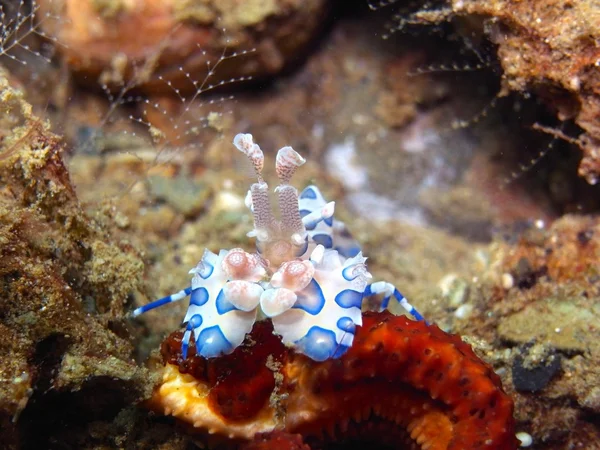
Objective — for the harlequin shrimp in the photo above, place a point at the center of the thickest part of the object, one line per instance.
(308, 275)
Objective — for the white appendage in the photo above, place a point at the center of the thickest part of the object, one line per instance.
(323, 319)
(389, 290)
(221, 312)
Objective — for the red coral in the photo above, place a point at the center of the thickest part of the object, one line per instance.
(401, 382)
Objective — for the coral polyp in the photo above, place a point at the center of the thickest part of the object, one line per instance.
(310, 283)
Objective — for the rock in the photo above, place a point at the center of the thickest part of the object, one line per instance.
(151, 43)
(534, 376)
(562, 323)
(59, 357)
(182, 193)
(549, 48)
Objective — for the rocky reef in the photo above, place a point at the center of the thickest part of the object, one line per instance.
(65, 352)
(488, 227)
(547, 48)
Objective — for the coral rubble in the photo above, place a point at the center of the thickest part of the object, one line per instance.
(534, 316)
